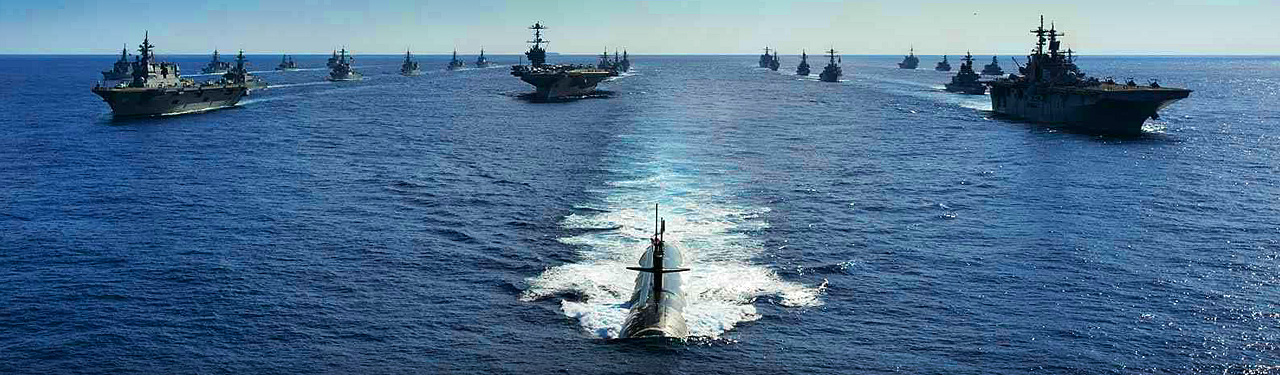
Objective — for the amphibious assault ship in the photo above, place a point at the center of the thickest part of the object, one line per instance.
(910, 61)
(409, 67)
(287, 64)
(832, 72)
(482, 62)
(1051, 89)
(966, 82)
(803, 68)
(157, 88)
(216, 66)
(992, 69)
(555, 81)
(943, 66)
(456, 64)
(240, 75)
(657, 304)
(342, 71)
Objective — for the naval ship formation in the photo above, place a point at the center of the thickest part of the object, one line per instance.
(157, 88)
(556, 81)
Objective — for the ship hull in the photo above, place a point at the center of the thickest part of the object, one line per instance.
(977, 89)
(345, 77)
(551, 86)
(1120, 111)
(154, 102)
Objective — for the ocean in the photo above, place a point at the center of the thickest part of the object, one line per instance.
(443, 224)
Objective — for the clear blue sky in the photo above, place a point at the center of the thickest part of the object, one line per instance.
(710, 26)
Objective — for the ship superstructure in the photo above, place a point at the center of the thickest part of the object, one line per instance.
(555, 81)
(992, 69)
(774, 62)
(215, 65)
(287, 64)
(409, 67)
(966, 81)
(1052, 89)
(333, 60)
(121, 71)
(765, 59)
(157, 88)
(239, 74)
(803, 68)
(943, 66)
(456, 64)
(481, 61)
(832, 72)
(910, 61)
(342, 70)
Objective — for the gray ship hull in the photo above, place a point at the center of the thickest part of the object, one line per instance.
(152, 102)
(657, 317)
(1109, 109)
(562, 85)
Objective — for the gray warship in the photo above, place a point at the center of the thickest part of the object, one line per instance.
(482, 62)
(555, 81)
(992, 69)
(342, 71)
(409, 68)
(657, 303)
(456, 64)
(215, 65)
(943, 66)
(765, 59)
(910, 61)
(239, 74)
(121, 71)
(333, 60)
(157, 88)
(1051, 89)
(832, 72)
(803, 68)
(607, 64)
(966, 82)
(774, 63)
(625, 64)
(287, 64)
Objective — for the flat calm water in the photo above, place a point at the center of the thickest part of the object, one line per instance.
(441, 224)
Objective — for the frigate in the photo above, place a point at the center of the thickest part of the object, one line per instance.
(342, 70)
(481, 61)
(832, 72)
(287, 64)
(157, 88)
(555, 81)
(943, 66)
(409, 67)
(966, 82)
(239, 74)
(121, 71)
(1052, 89)
(803, 68)
(657, 303)
(215, 65)
(765, 59)
(456, 64)
(992, 69)
(910, 61)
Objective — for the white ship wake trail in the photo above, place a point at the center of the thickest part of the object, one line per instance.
(719, 239)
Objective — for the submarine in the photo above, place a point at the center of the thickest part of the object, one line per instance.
(657, 304)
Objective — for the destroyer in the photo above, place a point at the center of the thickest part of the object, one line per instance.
(625, 64)
(333, 60)
(456, 64)
(121, 72)
(157, 88)
(774, 63)
(287, 64)
(943, 66)
(966, 82)
(992, 69)
(482, 62)
(765, 59)
(832, 72)
(803, 68)
(342, 70)
(1051, 89)
(910, 61)
(216, 66)
(409, 68)
(657, 304)
(555, 81)
(238, 74)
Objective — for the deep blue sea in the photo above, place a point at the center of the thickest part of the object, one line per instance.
(442, 224)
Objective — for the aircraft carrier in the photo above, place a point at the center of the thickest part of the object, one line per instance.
(1051, 89)
(157, 88)
(556, 81)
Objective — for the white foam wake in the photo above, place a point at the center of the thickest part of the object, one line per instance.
(719, 242)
